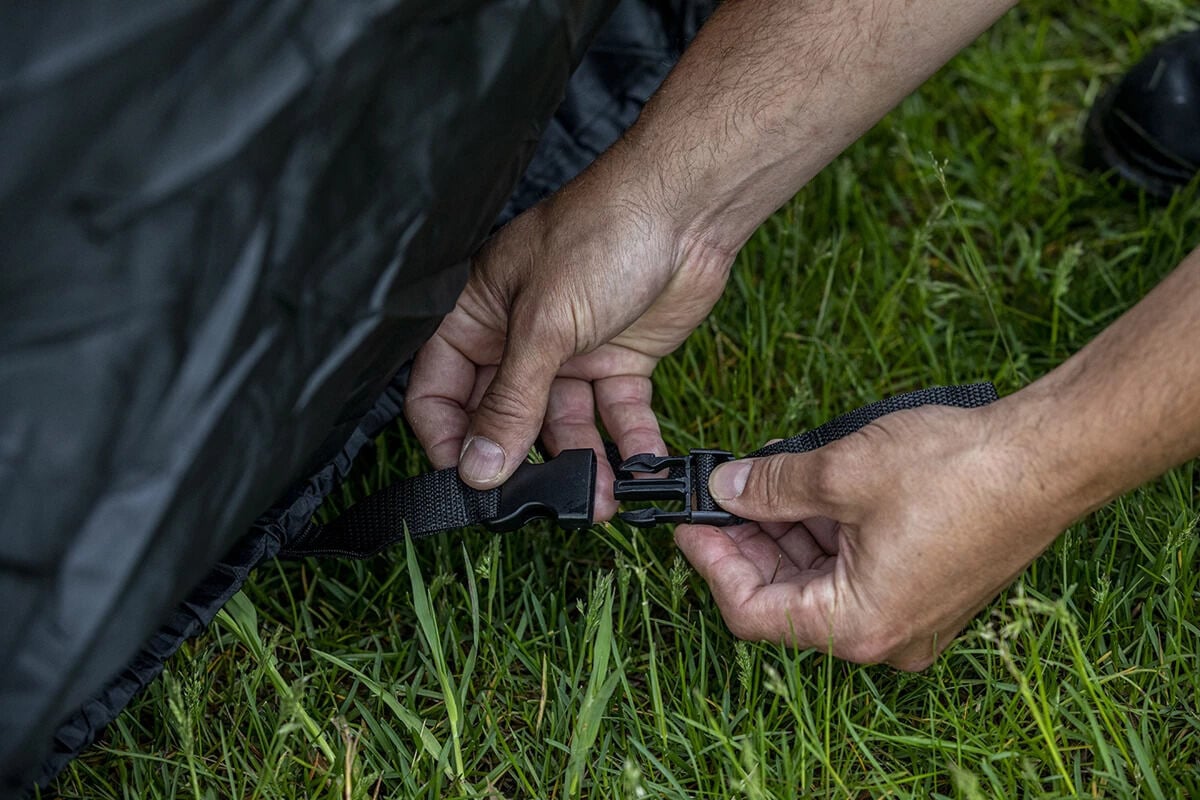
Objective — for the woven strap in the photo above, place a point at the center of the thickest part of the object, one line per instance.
(439, 501)
(423, 505)
(971, 395)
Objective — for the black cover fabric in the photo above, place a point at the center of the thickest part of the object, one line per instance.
(225, 227)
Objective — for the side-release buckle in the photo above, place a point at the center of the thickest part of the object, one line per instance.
(688, 483)
(562, 489)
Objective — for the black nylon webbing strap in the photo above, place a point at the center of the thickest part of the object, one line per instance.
(687, 479)
(562, 489)
(972, 395)
(424, 504)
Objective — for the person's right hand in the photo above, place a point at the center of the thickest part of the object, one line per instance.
(567, 311)
(881, 546)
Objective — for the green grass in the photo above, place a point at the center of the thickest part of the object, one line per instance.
(958, 241)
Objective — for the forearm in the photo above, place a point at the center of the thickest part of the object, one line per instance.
(1124, 409)
(771, 91)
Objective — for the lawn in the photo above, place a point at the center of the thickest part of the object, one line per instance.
(959, 241)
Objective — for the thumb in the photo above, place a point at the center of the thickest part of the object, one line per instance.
(509, 416)
(785, 487)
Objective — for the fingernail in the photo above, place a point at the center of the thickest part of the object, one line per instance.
(728, 480)
(481, 461)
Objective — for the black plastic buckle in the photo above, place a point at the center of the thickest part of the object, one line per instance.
(562, 489)
(688, 484)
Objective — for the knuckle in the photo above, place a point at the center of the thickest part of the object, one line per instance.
(644, 433)
(771, 477)
(832, 474)
(877, 645)
(417, 416)
(505, 402)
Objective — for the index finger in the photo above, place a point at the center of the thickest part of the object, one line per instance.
(793, 612)
(624, 405)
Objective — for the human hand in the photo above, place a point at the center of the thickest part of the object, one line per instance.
(567, 311)
(571, 305)
(881, 546)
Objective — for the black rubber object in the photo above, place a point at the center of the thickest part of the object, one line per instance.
(1146, 128)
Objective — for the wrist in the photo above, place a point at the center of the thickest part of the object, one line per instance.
(1056, 448)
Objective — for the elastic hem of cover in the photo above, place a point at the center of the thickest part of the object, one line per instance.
(188, 619)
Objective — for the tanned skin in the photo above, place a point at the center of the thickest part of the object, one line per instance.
(881, 546)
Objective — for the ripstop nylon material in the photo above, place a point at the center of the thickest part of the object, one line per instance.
(439, 501)
(227, 226)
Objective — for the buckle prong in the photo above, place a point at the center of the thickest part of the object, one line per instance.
(687, 483)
